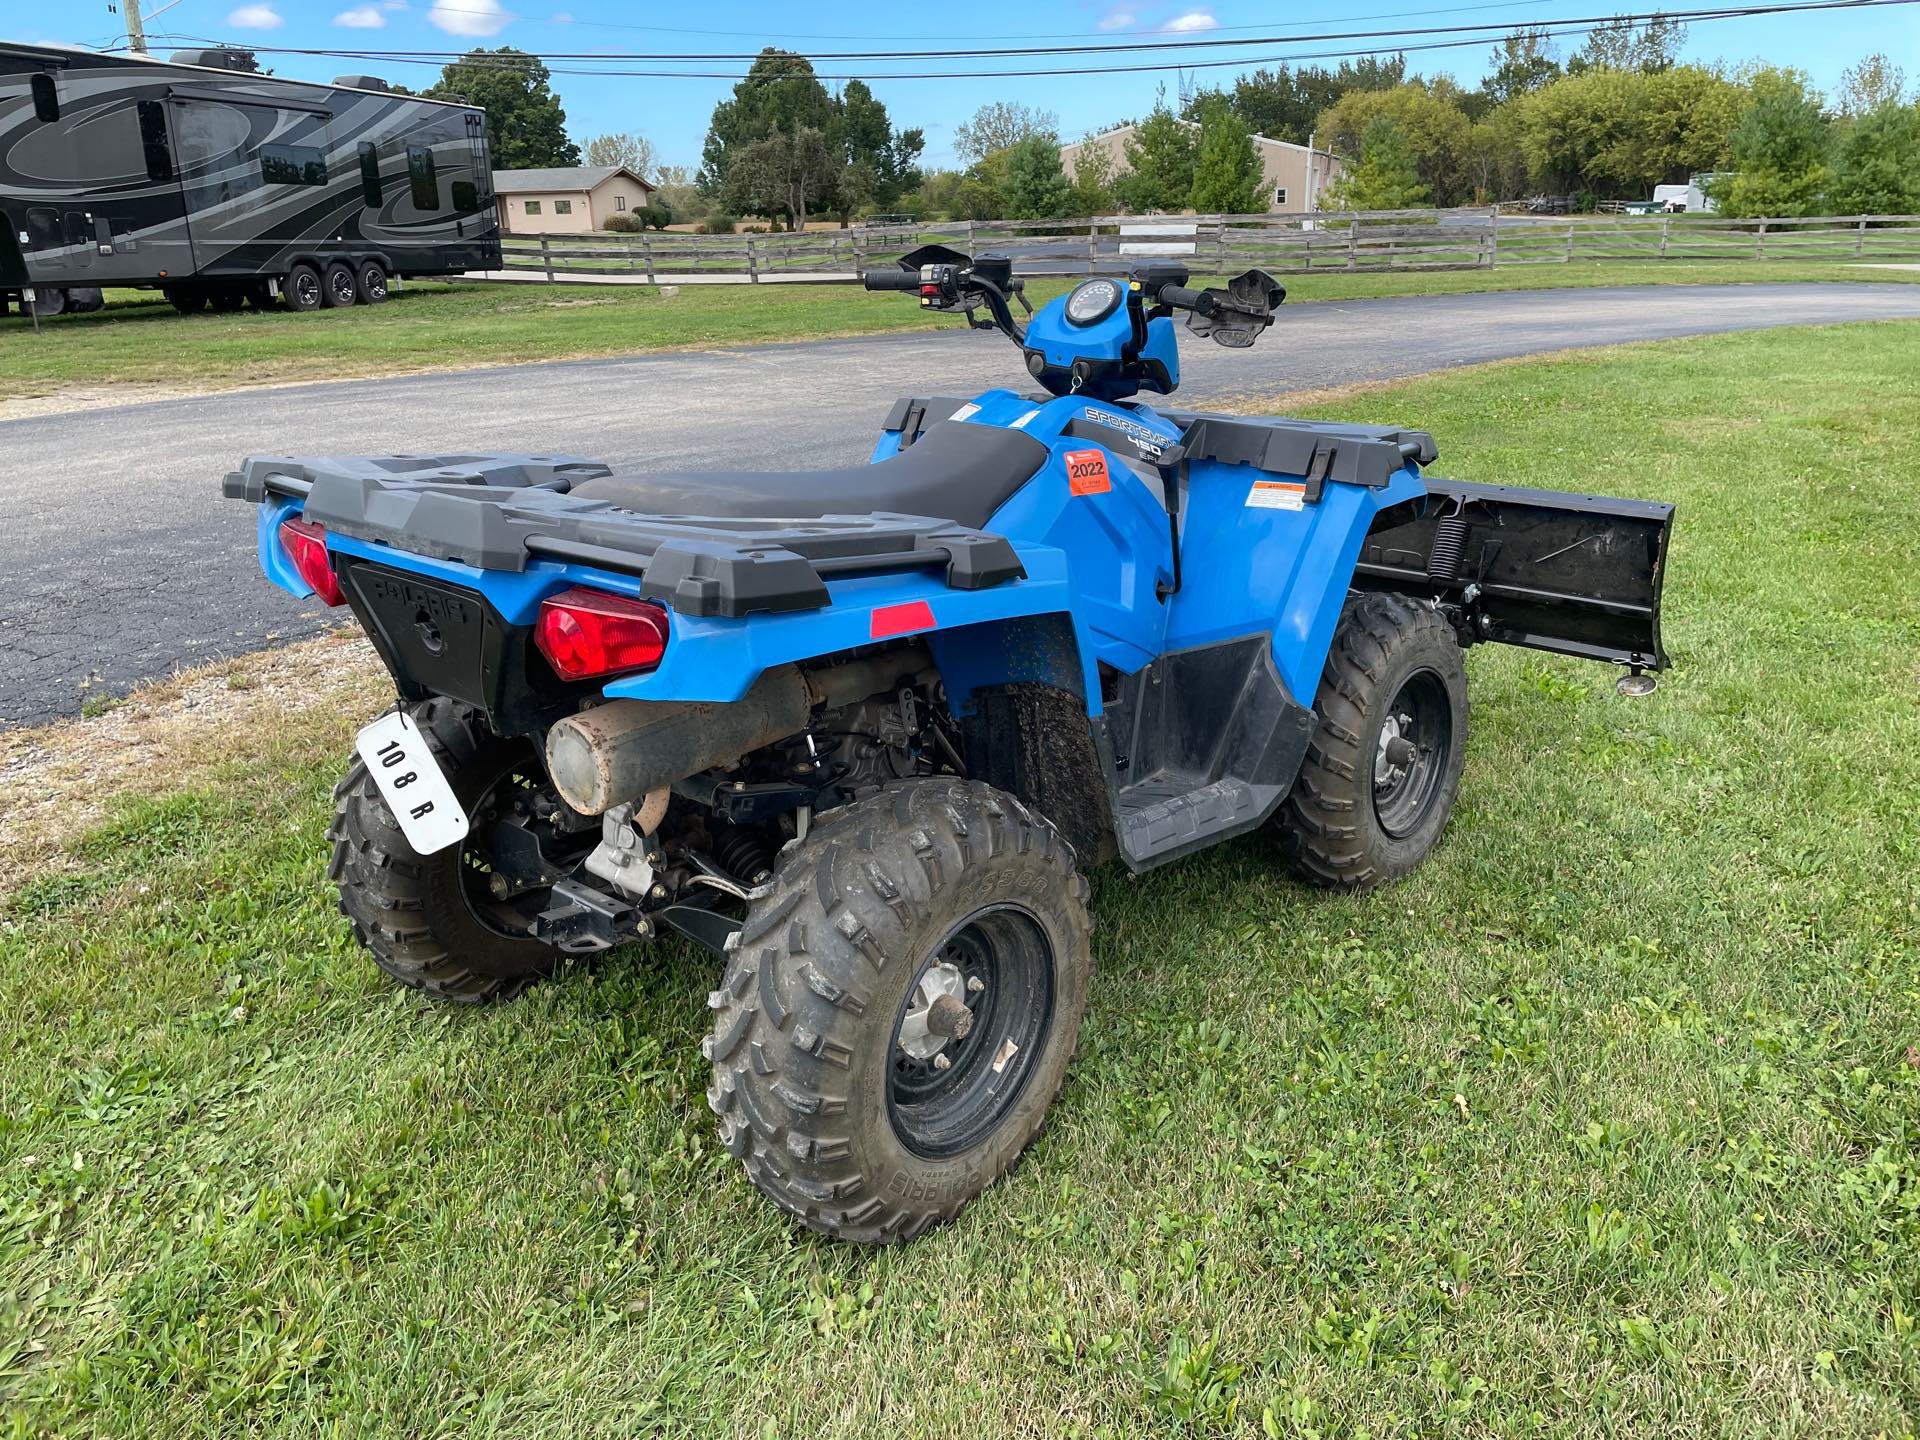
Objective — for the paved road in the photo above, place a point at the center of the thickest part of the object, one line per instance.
(119, 561)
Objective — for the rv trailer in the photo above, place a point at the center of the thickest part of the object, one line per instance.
(221, 186)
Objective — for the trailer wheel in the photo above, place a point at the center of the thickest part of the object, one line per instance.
(86, 299)
(901, 1007)
(46, 303)
(1384, 764)
(260, 294)
(187, 299)
(373, 284)
(303, 288)
(340, 287)
(226, 299)
(429, 921)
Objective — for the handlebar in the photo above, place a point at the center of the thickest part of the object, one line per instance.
(1181, 297)
(891, 279)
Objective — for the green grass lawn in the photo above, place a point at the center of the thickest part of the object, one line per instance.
(139, 340)
(1606, 1122)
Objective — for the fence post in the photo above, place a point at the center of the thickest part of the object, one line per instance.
(1760, 242)
(859, 253)
(1567, 258)
(1093, 246)
(1860, 237)
(1666, 229)
(753, 264)
(970, 239)
(1493, 236)
(646, 253)
(1353, 244)
(546, 258)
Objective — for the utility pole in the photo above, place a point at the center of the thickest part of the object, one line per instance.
(136, 31)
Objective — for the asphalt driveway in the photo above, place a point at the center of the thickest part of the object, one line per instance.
(119, 561)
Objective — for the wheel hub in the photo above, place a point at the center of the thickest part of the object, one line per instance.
(1396, 751)
(936, 1012)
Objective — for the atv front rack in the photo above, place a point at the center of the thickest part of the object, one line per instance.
(500, 512)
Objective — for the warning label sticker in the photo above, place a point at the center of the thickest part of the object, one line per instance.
(1277, 495)
(1087, 472)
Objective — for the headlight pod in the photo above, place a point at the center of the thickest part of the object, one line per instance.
(1093, 301)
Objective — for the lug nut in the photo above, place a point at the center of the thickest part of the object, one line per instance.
(941, 1062)
(975, 984)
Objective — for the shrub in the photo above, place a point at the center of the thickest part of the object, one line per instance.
(718, 225)
(625, 224)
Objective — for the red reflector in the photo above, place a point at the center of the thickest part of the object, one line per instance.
(306, 545)
(891, 620)
(584, 633)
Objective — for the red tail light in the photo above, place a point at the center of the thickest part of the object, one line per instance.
(306, 545)
(584, 633)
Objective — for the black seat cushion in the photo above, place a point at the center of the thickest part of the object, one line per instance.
(955, 471)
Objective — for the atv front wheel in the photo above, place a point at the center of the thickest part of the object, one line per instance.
(431, 922)
(901, 1008)
(1384, 764)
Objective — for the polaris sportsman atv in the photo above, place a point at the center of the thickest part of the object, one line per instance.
(858, 731)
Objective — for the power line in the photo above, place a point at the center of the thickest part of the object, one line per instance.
(1553, 29)
(1724, 12)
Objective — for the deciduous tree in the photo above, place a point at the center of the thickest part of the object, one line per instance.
(1036, 185)
(1160, 155)
(1227, 176)
(1878, 170)
(1385, 176)
(1780, 151)
(1000, 126)
(631, 149)
(526, 127)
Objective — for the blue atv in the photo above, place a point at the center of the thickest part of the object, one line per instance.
(859, 731)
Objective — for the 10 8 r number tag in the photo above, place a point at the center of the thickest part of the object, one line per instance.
(411, 782)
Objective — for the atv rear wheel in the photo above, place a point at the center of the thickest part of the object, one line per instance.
(1384, 764)
(430, 921)
(901, 1008)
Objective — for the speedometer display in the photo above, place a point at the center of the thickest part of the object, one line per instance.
(1092, 301)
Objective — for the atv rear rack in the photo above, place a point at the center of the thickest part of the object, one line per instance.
(500, 512)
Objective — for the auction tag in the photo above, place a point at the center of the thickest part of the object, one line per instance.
(1087, 472)
(411, 782)
(1277, 495)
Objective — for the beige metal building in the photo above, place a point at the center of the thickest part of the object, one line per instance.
(1297, 176)
(567, 200)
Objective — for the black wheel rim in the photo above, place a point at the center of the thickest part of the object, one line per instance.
(1004, 964)
(306, 288)
(343, 287)
(1411, 753)
(376, 285)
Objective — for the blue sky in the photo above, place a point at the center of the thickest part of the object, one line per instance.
(673, 112)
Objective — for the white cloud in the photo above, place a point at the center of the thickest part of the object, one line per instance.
(1119, 19)
(361, 17)
(255, 17)
(1192, 20)
(469, 17)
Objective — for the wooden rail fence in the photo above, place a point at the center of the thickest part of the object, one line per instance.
(1387, 241)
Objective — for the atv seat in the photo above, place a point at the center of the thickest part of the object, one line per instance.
(955, 471)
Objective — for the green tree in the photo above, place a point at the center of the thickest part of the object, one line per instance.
(1093, 180)
(1779, 151)
(1160, 155)
(526, 128)
(782, 177)
(1621, 132)
(1227, 175)
(1036, 187)
(1649, 47)
(780, 93)
(1878, 172)
(1438, 132)
(1385, 177)
(975, 198)
(1284, 103)
(1874, 82)
(889, 158)
(1522, 63)
(633, 150)
(1000, 126)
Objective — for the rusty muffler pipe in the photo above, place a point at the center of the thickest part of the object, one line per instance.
(620, 751)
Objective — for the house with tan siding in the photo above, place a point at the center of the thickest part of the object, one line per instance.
(567, 200)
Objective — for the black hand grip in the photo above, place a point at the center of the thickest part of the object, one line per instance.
(1180, 297)
(891, 279)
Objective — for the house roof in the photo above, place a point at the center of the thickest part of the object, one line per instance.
(559, 177)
